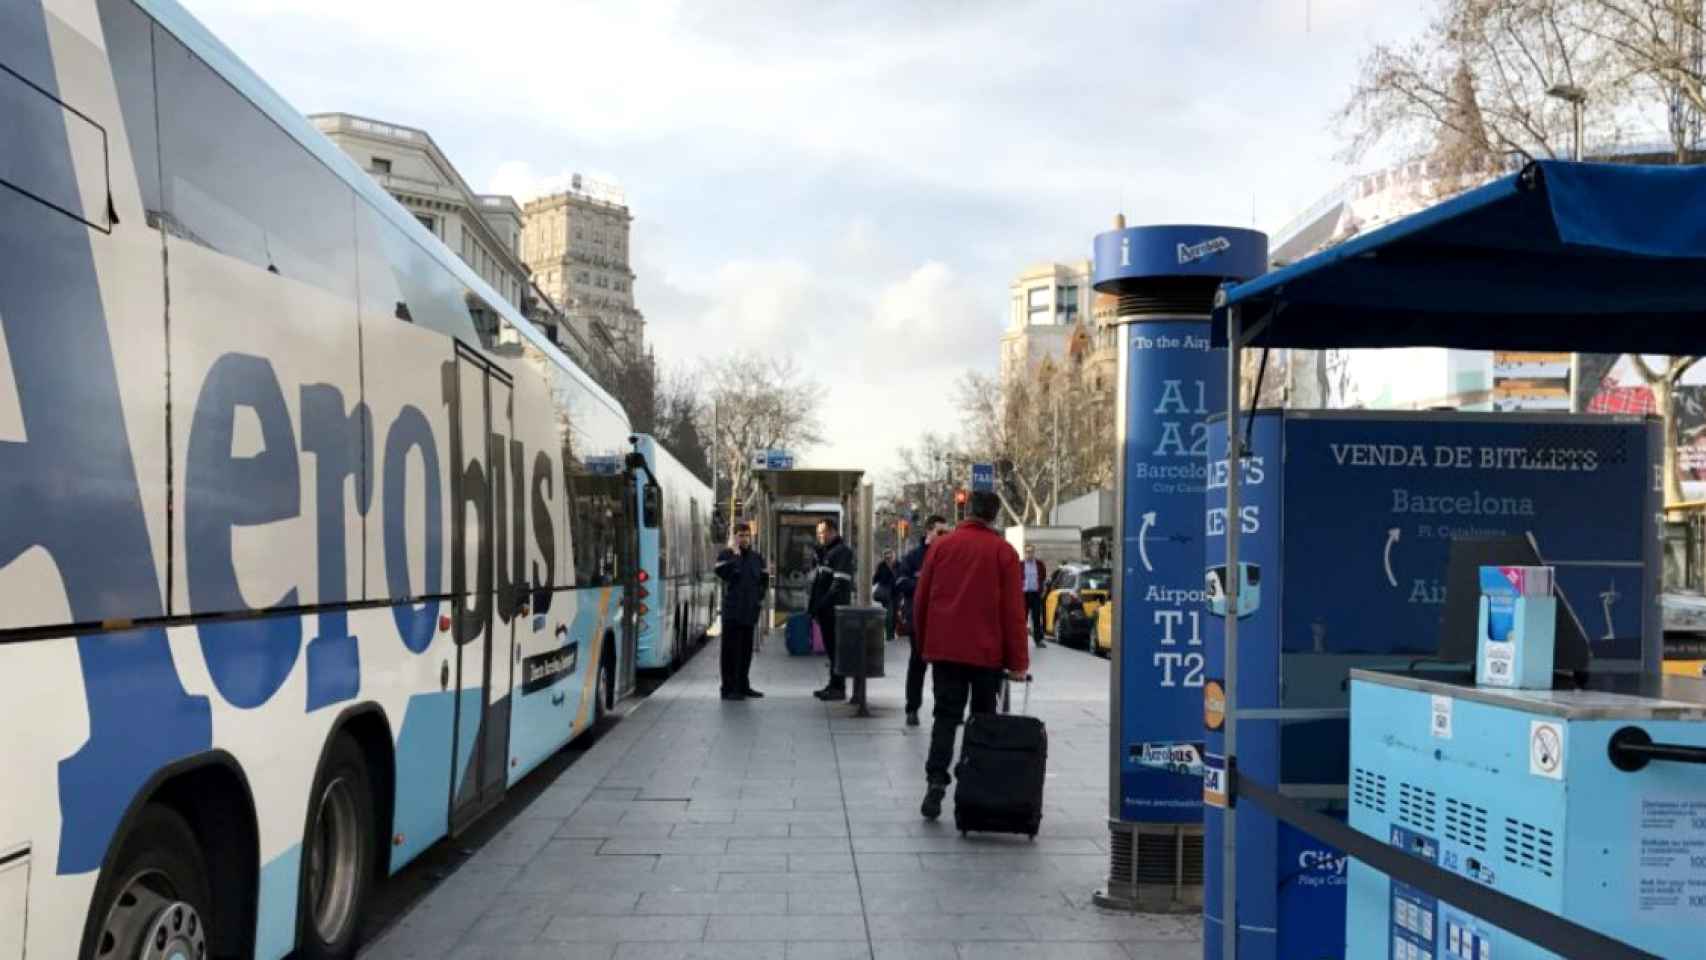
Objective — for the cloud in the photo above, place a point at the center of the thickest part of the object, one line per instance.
(855, 184)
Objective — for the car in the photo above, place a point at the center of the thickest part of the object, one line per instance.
(1104, 646)
(1683, 615)
(1074, 593)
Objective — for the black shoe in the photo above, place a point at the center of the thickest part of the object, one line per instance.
(752, 694)
(912, 718)
(932, 806)
(833, 693)
(734, 696)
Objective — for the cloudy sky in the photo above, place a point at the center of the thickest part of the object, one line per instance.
(854, 183)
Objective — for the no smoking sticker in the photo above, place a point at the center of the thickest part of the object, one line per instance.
(1546, 749)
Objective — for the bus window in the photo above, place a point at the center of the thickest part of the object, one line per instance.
(236, 183)
(599, 523)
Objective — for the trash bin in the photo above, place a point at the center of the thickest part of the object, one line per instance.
(859, 641)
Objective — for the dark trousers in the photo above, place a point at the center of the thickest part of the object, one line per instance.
(953, 685)
(915, 667)
(737, 657)
(826, 626)
(1034, 607)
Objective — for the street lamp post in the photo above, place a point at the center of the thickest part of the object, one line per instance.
(1576, 97)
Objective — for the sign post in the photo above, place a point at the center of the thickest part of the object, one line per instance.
(1169, 383)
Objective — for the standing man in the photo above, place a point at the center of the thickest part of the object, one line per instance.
(883, 592)
(832, 587)
(741, 569)
(905, 586)
(1035, 575)
(970, 614)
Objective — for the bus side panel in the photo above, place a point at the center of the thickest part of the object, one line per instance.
(411, 668)
(555, 642)
(81, 313)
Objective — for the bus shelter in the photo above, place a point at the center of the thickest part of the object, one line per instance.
(786, 510)
(1560, 256)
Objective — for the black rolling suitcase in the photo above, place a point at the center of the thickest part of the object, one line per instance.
(999, 779)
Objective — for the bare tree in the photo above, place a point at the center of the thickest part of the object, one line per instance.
(1049, 433)
(1662, 43)
(683, 420)
(761, 403)
(1473, 88)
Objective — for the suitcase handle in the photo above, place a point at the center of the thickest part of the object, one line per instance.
(1007, 695)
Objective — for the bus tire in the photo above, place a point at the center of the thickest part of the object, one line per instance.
(337, 854)
(157, 891)
(603, 688)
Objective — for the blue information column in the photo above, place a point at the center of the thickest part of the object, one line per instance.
(1169, 383)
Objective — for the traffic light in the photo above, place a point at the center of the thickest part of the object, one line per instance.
(960, 497)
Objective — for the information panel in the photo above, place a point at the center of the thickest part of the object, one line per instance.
(1173, 380)
(1374, 500)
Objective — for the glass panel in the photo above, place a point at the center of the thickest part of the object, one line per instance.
(236, 183)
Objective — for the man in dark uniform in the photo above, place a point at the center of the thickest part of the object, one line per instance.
(741, 569)
(905, 582)
(831, 587)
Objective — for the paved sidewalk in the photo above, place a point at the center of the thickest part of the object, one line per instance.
(785, 829)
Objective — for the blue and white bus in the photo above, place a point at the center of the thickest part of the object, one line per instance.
(302, 565)
(676, 590)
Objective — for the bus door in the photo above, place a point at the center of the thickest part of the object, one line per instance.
(480, 428)
(628, 534)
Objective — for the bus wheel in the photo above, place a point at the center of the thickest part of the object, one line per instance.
(337, 854)
(158, 904)
(601, 690)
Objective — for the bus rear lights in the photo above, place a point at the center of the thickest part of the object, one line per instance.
(642, 592)
(443, 624)
(644, 576)
(642, 609)
(397, 840)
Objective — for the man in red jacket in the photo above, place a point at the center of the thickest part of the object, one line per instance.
(969, 614)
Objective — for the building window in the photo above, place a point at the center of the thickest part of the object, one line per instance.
(429, 221)
(1036, 302)
(381, 165)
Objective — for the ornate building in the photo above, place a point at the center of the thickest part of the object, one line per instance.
(577, 245)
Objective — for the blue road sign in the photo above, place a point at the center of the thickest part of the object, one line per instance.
(983, 477)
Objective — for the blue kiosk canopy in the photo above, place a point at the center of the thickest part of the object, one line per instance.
(1561, 256)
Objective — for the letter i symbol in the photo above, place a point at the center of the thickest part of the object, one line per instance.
(1125, 251)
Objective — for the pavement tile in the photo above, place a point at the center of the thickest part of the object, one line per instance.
(1052, 951)
(1163, 950)
(535, 951)
(914, 950)
(831, 950)
(625, 929)
(956, 927)
(832, 882)
(792, 927)
(819, 862)
(712, 904)
(723, 863)
(702, 951)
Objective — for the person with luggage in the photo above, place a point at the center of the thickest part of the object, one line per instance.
(832, 586)
(1035, 576)
(969, 614)
(882, 592)
(745, 579)
(905, 584)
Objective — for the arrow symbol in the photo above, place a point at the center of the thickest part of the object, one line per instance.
(1143, 539)
(1391, 538)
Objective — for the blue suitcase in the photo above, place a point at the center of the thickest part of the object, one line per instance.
(797, 636)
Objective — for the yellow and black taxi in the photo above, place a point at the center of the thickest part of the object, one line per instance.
(1074, 593)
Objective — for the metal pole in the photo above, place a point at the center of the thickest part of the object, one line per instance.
(715, 461)
(1234, 476)
(1576, 147)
